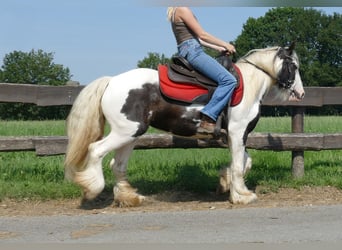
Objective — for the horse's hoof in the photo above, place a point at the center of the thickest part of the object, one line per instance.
(243, 199)
(88, 196)
(90, 185)
(126, 196)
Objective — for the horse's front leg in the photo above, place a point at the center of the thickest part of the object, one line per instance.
(124, 194)
(239, 193)
(225, 174)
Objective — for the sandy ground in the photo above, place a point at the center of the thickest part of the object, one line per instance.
(173, 201)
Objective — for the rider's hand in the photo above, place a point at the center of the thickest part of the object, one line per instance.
(230, 49)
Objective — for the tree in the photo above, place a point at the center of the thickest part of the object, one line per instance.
(152, 60)
(317, 35)
(318, 38)
(34, 67)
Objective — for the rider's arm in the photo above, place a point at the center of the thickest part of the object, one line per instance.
(186, 15)
(212, 46)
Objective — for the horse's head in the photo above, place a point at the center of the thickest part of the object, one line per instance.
(288, 78)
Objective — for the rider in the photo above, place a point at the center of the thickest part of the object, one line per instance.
(190, 36)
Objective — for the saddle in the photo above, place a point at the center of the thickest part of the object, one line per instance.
(182, 84)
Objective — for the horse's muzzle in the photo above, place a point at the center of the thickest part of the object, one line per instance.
(297, 95)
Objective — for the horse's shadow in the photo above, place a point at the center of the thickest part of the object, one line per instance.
(106, 198)
(190, 184)
(103, 200)
(190, 181)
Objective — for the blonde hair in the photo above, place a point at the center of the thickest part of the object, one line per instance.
(169, 13)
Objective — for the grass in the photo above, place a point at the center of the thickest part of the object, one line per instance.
(24, 175)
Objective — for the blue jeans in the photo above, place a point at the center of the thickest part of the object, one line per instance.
(192, 50)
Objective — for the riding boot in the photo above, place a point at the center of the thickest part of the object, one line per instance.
(207, 125)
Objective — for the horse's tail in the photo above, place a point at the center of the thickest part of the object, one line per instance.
(85, 124)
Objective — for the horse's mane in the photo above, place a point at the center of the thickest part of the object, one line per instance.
(249, 53)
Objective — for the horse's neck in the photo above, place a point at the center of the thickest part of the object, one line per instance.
(257, 82)
(264, 60)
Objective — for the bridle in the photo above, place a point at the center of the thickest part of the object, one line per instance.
(284, 82)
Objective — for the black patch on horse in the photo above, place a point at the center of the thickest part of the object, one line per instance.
(287, 74)
(146, 106)
(137, 106)
(251, 125)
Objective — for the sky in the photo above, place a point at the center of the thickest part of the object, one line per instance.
(107, 37)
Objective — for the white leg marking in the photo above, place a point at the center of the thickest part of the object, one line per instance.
(124, 194)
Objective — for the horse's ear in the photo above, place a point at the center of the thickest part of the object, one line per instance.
(291, 48)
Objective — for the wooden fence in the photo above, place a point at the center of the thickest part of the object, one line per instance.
(297, 141)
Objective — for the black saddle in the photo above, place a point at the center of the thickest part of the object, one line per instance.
(180, 71)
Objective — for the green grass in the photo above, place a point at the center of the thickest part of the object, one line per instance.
(34, 128)
(24, 175)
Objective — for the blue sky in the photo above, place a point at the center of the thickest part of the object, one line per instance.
(107, 37)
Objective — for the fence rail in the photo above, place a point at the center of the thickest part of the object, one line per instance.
(56, 145)
(297, 141)
(44, 95)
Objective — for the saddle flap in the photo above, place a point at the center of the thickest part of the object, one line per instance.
(185, 92)
(179, 73)
(181, 61)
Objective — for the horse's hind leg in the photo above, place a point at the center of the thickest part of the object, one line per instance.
(124, 194)
(91, 178)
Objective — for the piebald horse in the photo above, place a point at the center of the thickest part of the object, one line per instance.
(131, 102)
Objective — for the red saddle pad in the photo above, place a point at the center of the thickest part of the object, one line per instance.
(188, 92)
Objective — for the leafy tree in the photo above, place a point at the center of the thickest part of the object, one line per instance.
(318, 38)
(153, 60)
(34, 67)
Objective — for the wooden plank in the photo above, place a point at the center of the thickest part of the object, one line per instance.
(332, 95)
(160, 141)
(10, 92)
(45, 95)
(314, 96)
(57, 95)
(333, 141)
(41, 95)
(55, 145)
(50, 145)
(12, 143)
(285, 142)
(297, 121)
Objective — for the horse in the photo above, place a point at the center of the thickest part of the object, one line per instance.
(130, 102)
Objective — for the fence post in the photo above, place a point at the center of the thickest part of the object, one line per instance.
(298, 156)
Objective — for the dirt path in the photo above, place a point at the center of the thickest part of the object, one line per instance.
(179, 201)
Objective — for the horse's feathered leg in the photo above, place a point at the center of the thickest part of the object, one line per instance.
(239, 193)
(91, 179)
(124, 194)
(225, 174)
